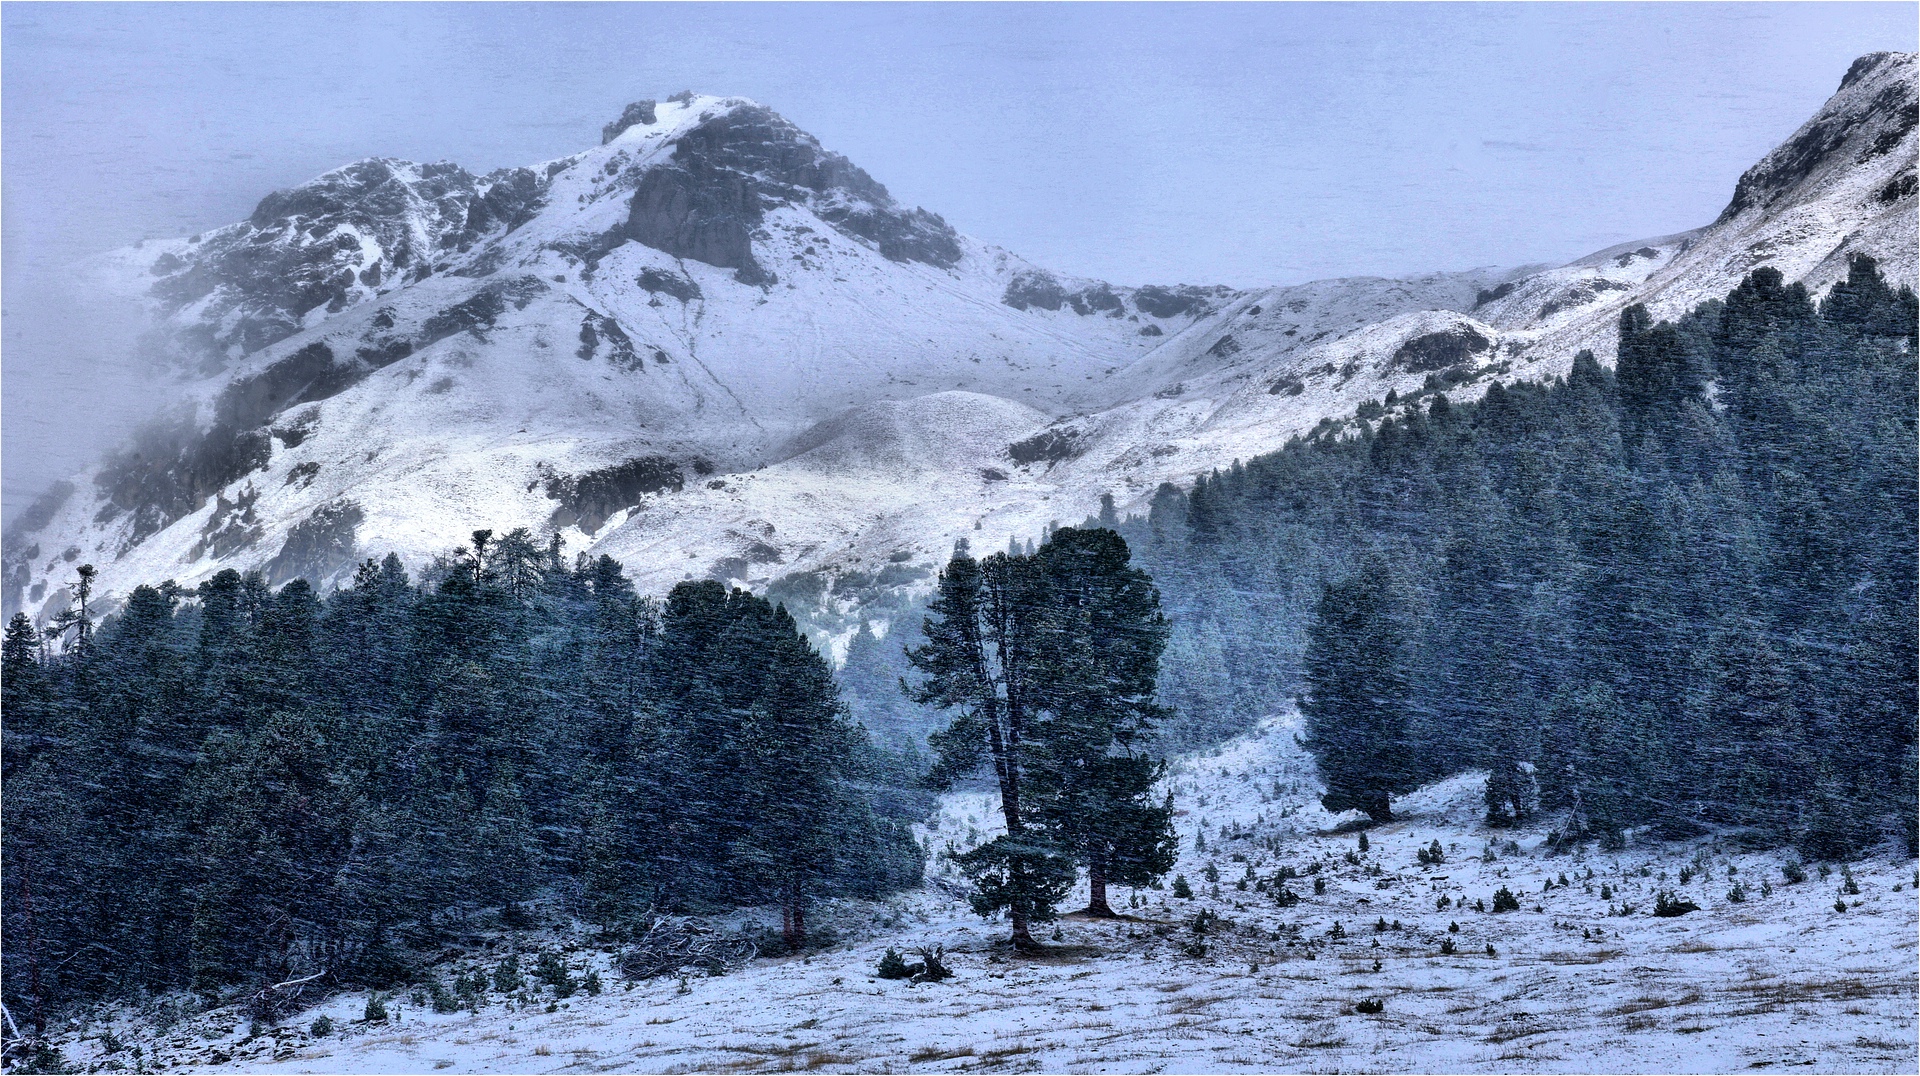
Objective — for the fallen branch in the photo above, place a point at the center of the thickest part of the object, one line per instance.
(673, 945)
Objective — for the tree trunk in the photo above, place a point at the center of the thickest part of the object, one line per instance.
(793, 919)
(1022, 936)
(1097, 906)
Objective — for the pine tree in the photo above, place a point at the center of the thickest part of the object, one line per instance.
(980, 659)
(1358, 698)
(1100, 645)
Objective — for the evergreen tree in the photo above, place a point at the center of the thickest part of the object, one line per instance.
(1100, 645)
(981, 659)
(1358, 699)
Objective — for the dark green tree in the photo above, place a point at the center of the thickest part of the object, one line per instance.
(1357, 699)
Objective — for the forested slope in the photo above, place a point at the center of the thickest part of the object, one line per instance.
(1676, 593)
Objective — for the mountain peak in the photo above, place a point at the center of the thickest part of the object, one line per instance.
(1867, 117)
(1871, 62)
(729, 169)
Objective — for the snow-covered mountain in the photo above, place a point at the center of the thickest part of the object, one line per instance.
(712, 348)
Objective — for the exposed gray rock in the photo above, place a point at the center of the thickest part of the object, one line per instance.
(1885, 118)
(249, 285)
(680, 287)
(231, 527)
(726, 172)
(1165, 302)
(699, 212)
(1037, 289)
(595, 328)
(1580, 294)
(1437, 351)
(1047, 446)
(639, 112)
(320, 548)
(588, 499)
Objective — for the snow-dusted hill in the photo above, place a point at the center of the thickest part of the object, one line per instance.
(712, 348)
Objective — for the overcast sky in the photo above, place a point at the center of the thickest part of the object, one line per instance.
(1239, 144)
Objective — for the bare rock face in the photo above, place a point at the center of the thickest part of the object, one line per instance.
(725, 174)
(1437, 351)
(1868, 117)
(330, 243)
(639, 112)
(702, 213)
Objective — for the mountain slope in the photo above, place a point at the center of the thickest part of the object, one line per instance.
(711, 347)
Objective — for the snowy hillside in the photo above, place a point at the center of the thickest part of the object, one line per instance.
(712, 348)
(1581, 978)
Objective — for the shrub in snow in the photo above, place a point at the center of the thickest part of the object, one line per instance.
(506, 975)
(894, 966)
(322, 1027)
(376, 1010)
(1505, 901)
(552, 971)
(1446, 945)
(1839, 905)
(1667, 905)
(1369, 1005)
(1180, 887)
(1319, 886)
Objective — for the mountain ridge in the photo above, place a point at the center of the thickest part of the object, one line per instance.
(762, 367)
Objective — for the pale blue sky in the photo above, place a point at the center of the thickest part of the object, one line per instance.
(1239, 144)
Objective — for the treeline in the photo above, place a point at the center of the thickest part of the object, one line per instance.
(1679, 593)
(234, 785)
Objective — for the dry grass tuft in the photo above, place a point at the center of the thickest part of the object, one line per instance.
(1589, 956)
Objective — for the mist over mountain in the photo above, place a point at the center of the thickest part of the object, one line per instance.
(713, 348)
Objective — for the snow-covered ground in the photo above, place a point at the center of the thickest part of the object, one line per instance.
(1780, 980)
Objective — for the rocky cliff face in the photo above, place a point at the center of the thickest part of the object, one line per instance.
(319, 248)
(709, 346)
